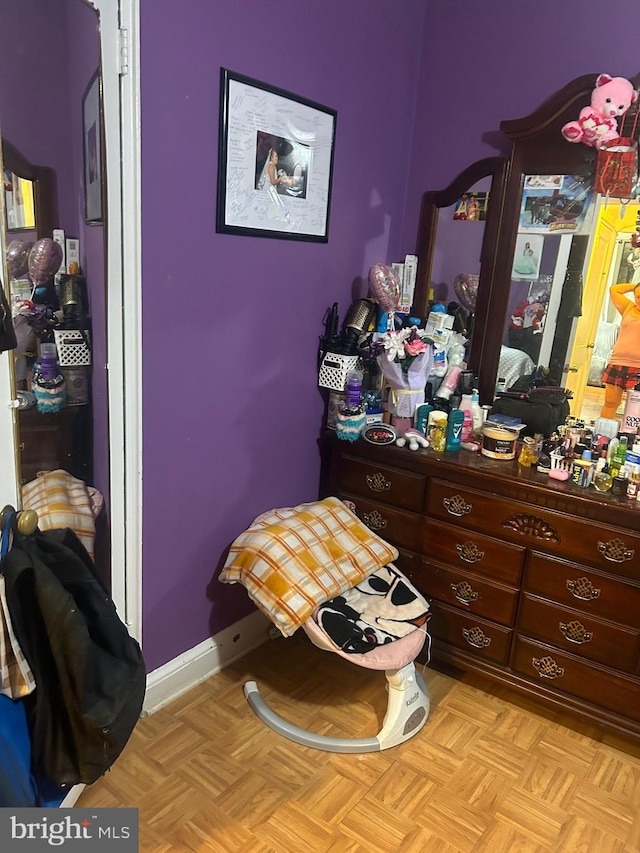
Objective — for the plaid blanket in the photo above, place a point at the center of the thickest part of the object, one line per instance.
(291, 560)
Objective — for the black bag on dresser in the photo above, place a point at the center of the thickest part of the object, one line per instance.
(539, 416)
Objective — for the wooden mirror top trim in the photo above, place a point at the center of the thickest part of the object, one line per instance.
(44, 187)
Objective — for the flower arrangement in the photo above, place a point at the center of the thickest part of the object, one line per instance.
(402, 346)
(405, 356)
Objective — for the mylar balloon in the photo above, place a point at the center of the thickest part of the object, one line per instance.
(465, 286)
(384, 285)
(18, 258)
(44, 260)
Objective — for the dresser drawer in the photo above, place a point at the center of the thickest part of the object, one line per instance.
(471, 593)
(403, 489)
(499, 561)
(578, 634)
(585, 590)
(477, 637)
(401, 528)
(591, 682)
(604, 547)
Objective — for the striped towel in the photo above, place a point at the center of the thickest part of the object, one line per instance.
(292, 560)
(64, 501)
(16, 677)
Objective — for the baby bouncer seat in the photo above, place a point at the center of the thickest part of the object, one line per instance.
(318, 567)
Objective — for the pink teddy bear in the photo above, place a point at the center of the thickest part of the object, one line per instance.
(598, 123)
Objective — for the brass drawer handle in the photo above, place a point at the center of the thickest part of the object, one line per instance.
(464, 592)
(457, 506)
(583, 589)
(469, 552)
(615, 551)
(378, 482)
(374, 520)
(476, 637)
(575, 632)
(547, 667)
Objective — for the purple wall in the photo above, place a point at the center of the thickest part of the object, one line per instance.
(231, 324)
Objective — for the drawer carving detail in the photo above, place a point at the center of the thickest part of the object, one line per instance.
(575, 632)
(378, 482)
(476, 637)
(583, 589)
(547, 667)
(615, 551)
(374, 520)
(457, 506)
(464, 592)
(531, 525)
(469, 552)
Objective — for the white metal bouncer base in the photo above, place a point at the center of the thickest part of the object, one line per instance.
(407, 712)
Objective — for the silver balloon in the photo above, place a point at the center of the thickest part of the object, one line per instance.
(465, 286)
(18, 258)
(384, 285)
(45, 258)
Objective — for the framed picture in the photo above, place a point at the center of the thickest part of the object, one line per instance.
(275, 164)
(92, 133)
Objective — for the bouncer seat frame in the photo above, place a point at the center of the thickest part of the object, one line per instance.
(408, 702)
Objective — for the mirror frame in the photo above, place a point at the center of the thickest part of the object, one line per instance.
(496, 168)
(538, 147)
(44, 188)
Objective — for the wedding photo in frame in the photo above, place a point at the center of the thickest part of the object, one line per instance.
(275, 162)
(92, 147)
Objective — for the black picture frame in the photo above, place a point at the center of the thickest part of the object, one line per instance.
(93, 151)
(258, 122)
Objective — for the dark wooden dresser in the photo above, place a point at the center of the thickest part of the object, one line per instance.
(532, 582)
(52, 440)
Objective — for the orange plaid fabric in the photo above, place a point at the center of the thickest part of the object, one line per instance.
(291, 560)
(16, 677)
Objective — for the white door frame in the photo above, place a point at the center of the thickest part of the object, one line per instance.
(119, 33)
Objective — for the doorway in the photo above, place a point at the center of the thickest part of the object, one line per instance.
(117, 26)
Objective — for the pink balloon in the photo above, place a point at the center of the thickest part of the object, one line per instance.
(44, 260)
(465, 286)
(18, 258)
(384, 285)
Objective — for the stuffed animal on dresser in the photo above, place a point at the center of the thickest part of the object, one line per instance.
(597, 124)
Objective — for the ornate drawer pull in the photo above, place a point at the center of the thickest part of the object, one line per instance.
(469, 552)
(575, 632)
(583, 589)
(457, 506)
(531, 525)
(476, 637)
(615, 551)
(464, 592)
(374, 520)
(378, 482)
(547, 667)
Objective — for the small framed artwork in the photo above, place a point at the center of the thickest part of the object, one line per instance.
(275, 162)
(92, 141)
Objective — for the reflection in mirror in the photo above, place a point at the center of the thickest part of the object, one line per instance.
(63, 333)
(29, 193)
(555, 254)
(456, 245)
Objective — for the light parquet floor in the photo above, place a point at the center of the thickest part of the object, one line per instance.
(488, 772)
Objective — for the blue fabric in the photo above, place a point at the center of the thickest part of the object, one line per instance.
(17, 786)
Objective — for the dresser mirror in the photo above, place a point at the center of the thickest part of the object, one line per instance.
(37, 128)
(457, 246)
(549, 260)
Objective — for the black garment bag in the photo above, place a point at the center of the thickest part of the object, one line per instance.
(90, 673)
